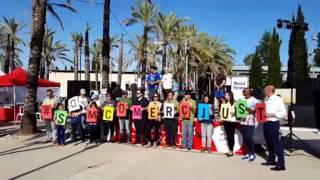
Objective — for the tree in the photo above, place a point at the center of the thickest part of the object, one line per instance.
(255, 73)
(76, 39)
(263, 47)
(106, 45)
(298, 68)
(39, 11)
(248, 59)
(12, 28)
(274, 76)
(120, 63)
(87, 54)
(143, 12)
(317, 52)
(96, 59)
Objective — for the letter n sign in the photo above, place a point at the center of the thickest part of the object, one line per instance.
(46, 112)
(261, 112)
(168, 110)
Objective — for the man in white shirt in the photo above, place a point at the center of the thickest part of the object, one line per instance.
(275, 110)
(167, 82)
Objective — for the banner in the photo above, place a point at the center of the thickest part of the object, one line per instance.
(184, 110)
(203, 112)
(225, 112)
(122, 109)
(46, 112)
(136, 112)
(92, 115)
(261, 112)
(73, 104)
(168, 110)
(61, 117)
(153, 111)
(238, 83)
(108, 113)
(241, 109)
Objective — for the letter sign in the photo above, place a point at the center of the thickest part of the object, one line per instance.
(153, 113)
(122, 109)
(261, 112)
(225, 112)
(203, 112)
(61, 117)
(46, 112)
(108, 113)
(184, 109)
(73, 104)
(92, 115)
(136, 112)
(241, 109)
(168, 110)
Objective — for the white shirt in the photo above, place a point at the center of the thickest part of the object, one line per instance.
(251, 104)
(167, 81)
(275, 105)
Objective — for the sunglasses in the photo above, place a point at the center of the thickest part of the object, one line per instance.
(156, 96)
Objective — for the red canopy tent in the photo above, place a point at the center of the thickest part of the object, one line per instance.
(19, 77)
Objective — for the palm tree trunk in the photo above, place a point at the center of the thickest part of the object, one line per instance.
(120, 63)
(144, 56)
(87, 56)
(7, 56)
(164, 56)
(12, 53)
(76, 64)
(42, 68)
(47, 70)
(96, 75)
(29, 123)
(106, 45)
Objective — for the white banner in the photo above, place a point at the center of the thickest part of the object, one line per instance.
(238, 83)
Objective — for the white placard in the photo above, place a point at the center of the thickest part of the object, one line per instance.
(238, 83)
(73, 104)
(168, 110)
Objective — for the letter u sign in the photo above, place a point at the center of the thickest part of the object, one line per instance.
(225, 112)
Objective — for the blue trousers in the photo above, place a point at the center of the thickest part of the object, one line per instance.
(247, 132)
(60, 134)
(187, 134)
(274, 144)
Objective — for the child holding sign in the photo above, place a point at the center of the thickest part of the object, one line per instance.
(93, 117)
(60, 118)
(154, 120)
(227, 115)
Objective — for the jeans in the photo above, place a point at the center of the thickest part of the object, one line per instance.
(247, 132)
(274, 144)
(151, 92)
(206, 134)
(171, 127)
(77, 128)
(124, 124)
(51, 130)
(187, 134)
(230, 128)
(152, 124)
(60, 134)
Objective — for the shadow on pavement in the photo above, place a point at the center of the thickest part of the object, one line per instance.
(54, 162)
(21, 147)
(293, 145)
(25, 150)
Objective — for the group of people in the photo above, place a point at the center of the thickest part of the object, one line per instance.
(147, 131)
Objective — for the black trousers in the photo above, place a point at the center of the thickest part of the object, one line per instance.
(230, 128)
(107, 126)
(154, 125)
(171, 127)
(76, 128)
(141, 131)
(93, 132)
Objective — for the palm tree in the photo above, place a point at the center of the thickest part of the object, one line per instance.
(143, 12)
(96, 52)
(12, 28)
(51, 53)
(87, 54)
(166, 26)
(39, 12)
(120, 63)
(135, 47)
(76, 39)
(106, 45)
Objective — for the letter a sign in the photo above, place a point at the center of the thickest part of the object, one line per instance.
(184, 109)
(203, 112)
(261, 112)
(168, 110)
(136, 112)
(92, 115)
(108, 113)
(46, 112)
(122, 109)
(225, 112)
(241, 109)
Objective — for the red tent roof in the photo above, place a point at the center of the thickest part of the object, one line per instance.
(19, 77)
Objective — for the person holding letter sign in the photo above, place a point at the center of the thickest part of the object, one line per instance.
(107, 132)
(154, 121)
(187, 123)
(60, 121)
(171, 124)
(275, 110)
(227, 115)
(206, 124)
(50, 126)
(93, 119)
(141, 124)
(249, 124)
(124, 121)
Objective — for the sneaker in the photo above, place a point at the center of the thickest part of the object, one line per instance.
(252, 157)
(246, 157)
(147, 145)
(155, 145)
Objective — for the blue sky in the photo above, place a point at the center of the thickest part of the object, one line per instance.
(240, 22)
